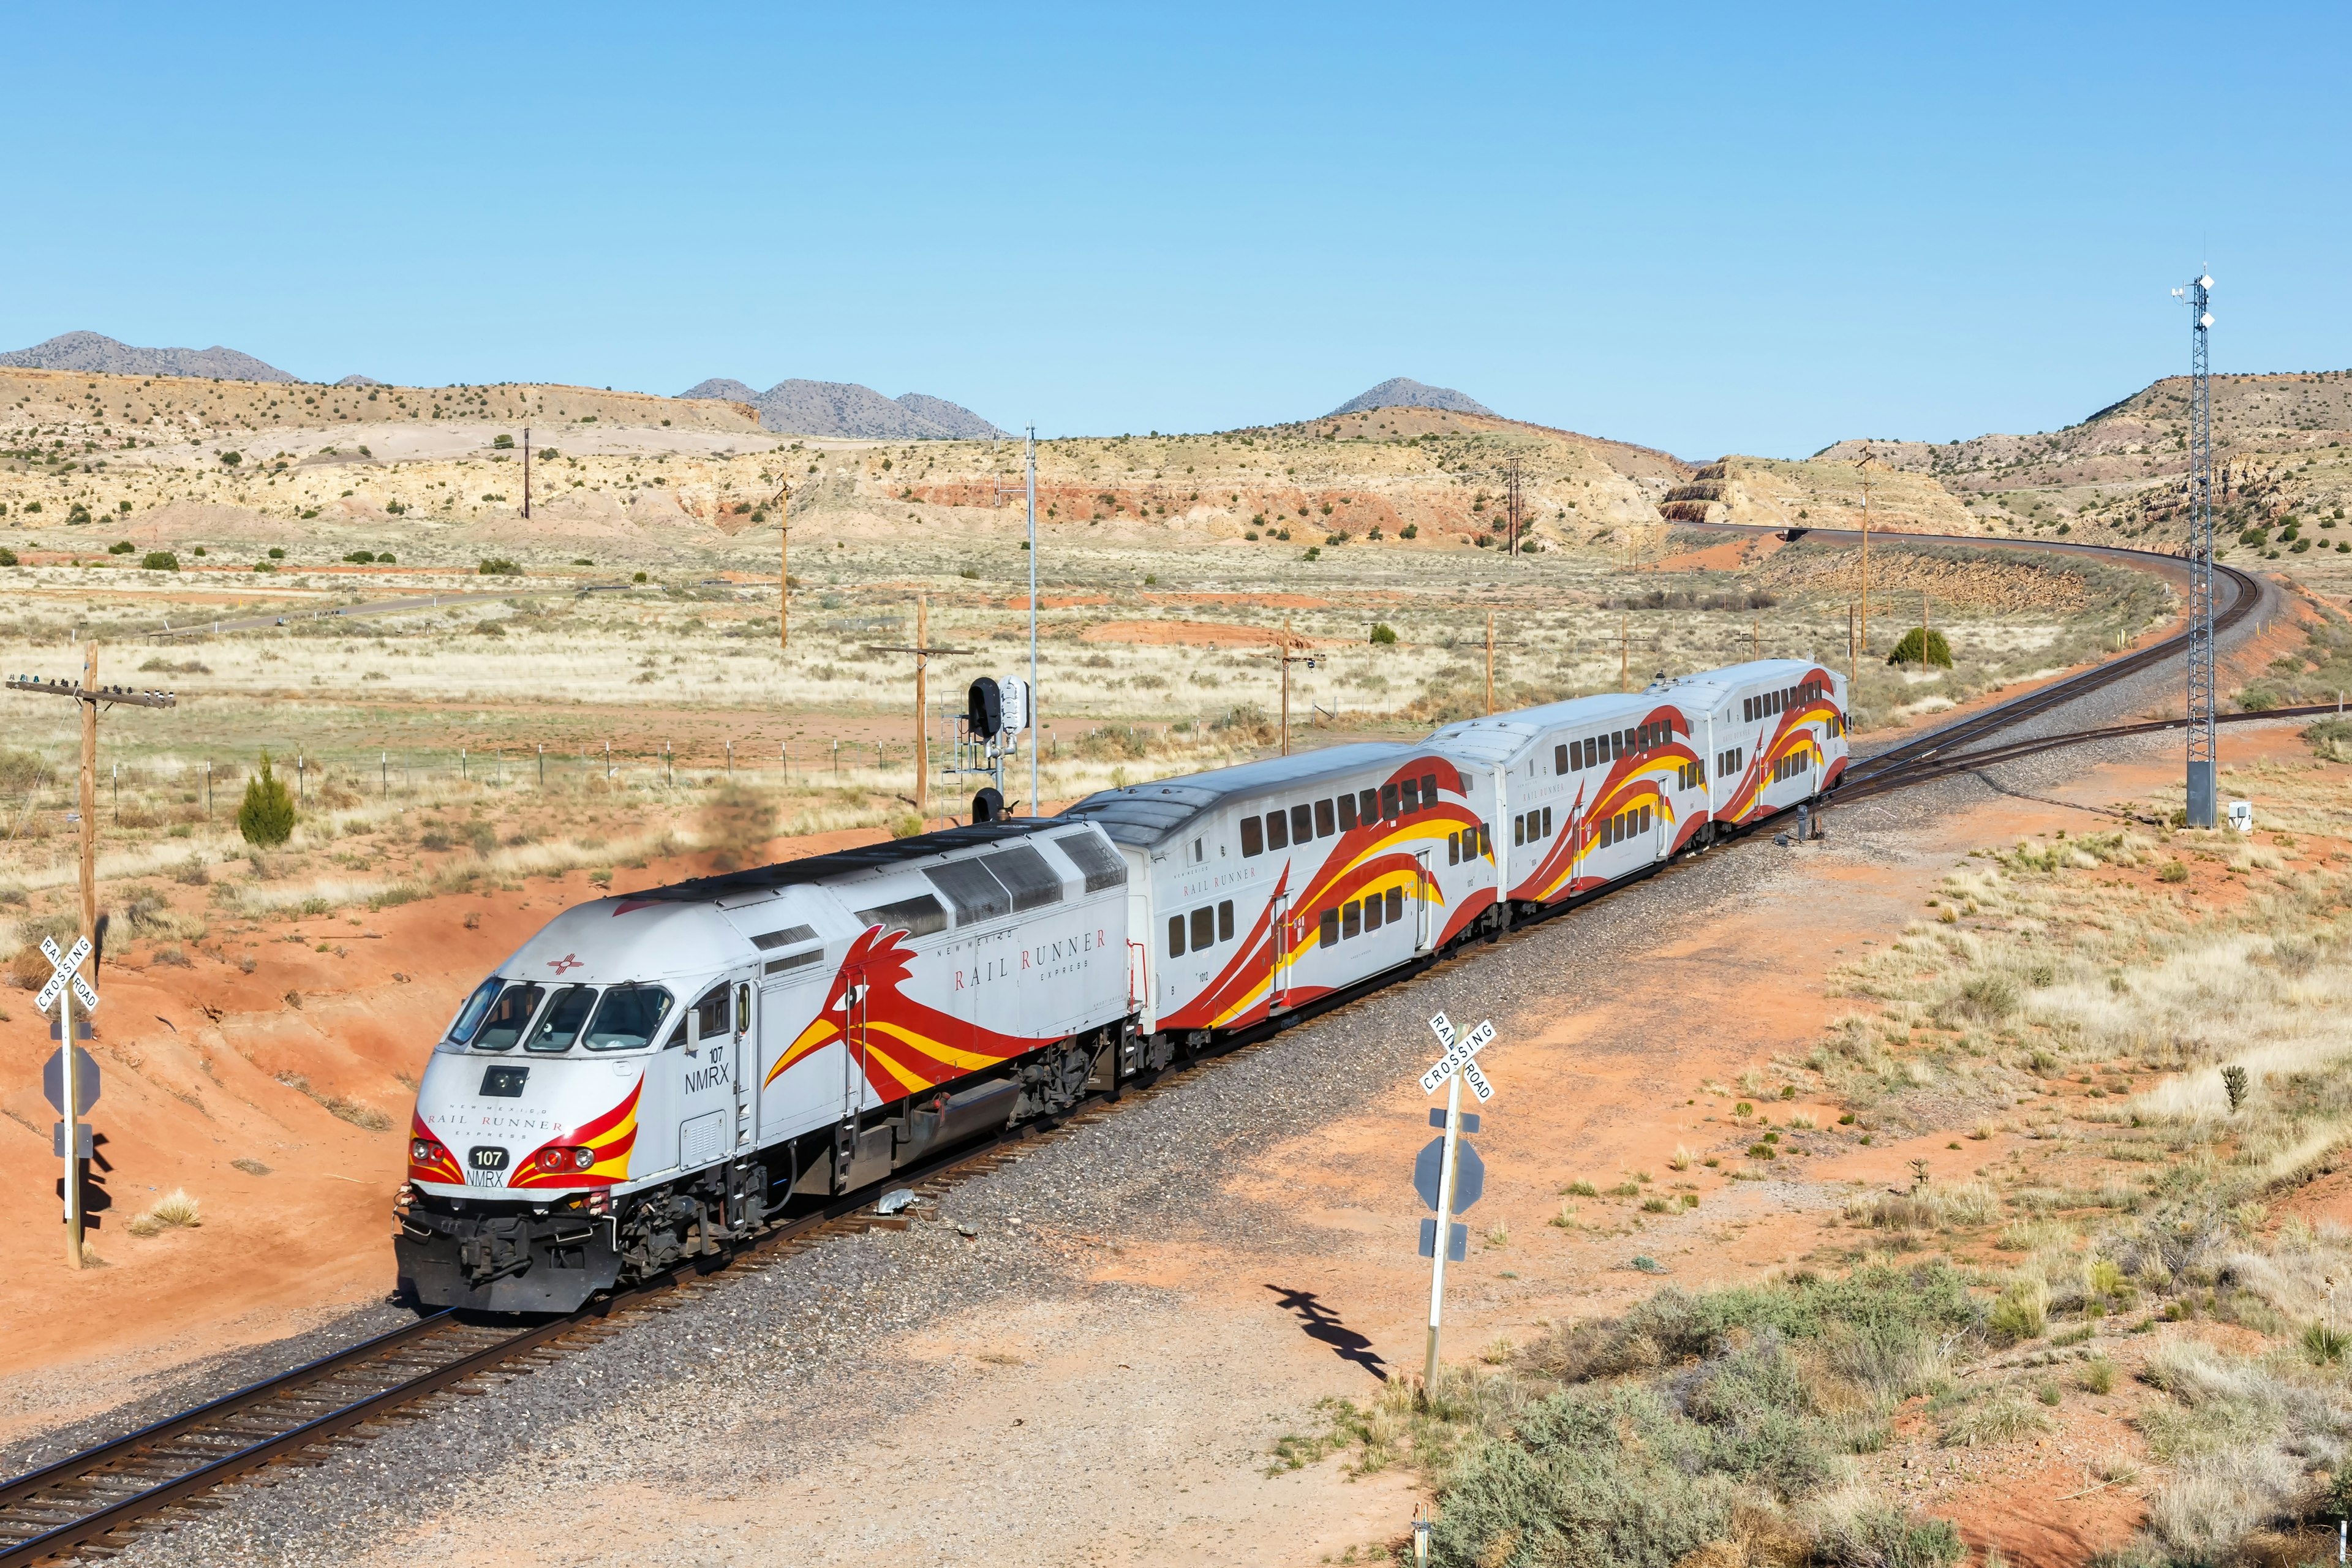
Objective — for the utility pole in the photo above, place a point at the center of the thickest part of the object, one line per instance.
(1490, 661)
(1037, 729)
(89, 696)
(1624, 647)
(525, 470)
(784, 563)
(2204, 748)
(1286, 685)
(1868, 453)
(922, 650)
(1513, 494)
(1852, 653)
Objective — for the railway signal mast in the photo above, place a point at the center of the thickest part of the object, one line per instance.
(2203, 744)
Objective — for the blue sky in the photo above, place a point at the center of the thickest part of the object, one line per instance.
(1739, 229)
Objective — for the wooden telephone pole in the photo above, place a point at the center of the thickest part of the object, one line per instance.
(89, 696)
(784, 566)
(1869, 454)
(922, 650)
(1288, 644)
(1490, 661)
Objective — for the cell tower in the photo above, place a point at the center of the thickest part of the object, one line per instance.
(2203, 753)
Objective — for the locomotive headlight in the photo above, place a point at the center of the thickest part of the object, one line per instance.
(582, 1158)
(423, 1151)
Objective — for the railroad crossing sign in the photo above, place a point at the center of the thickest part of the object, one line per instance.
(70, 1079)
(66, 967)
(1448, 1174)
(1461, 1053)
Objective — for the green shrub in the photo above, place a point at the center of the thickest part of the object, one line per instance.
(1383, 634)
(232, 458)
(2258, 699)
(361, 557)
(1922, 645)
(1890, 1538)
(2021, 1313)
(122, 547)
(277, 554)
(502, 442)
(498, 566)
(266, 817)
(159, 561)
(7, 556)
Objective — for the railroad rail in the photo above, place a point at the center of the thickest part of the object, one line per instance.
(95, 1502)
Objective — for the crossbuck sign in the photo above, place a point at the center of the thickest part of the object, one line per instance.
(1461, 1051)
(66, 970)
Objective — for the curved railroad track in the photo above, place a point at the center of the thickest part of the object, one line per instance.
(93, 1503)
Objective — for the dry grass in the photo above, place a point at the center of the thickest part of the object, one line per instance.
(174, 1211)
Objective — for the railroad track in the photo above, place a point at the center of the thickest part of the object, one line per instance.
(97, 1502)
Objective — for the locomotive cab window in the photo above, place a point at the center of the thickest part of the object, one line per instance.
(507, 1018)
(559, 1026)
(469, 1016)
(628, 1018)
(710, 1014)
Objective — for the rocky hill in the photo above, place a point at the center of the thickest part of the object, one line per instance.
(1404, 391)
(98, 354)
(846, 409)
(2280, 446)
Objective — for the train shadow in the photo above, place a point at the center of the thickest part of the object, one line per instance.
(1320, 1322)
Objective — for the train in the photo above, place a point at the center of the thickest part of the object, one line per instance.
(654, 1076)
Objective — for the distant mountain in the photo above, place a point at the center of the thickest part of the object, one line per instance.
(724, 388)
(359, 380)
(846, 408)
(1404, 391)
(96, 354)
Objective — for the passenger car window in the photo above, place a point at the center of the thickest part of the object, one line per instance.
(1329, 931)
(1559, 759)
(1205, 928)
(1347, 813)
(1253, 836)
(1175, 936)
(628, 1017)
(1388, 802)
(1428, 790)
(1302, 823)
(504, 1023)
(1372, 912)
(1326, 822)
(1396, 904)
(560, 1025)
(1411, 794)
(1277, 830)
(1225, 921)
(1351, 920)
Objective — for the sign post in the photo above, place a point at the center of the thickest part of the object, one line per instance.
(1460, 1175)
(71, 1095)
